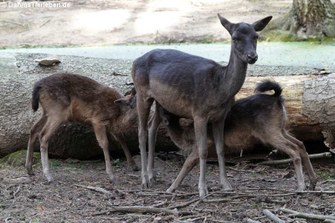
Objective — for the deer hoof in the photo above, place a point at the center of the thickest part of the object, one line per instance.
(152, 179)
(49, 178)
(30, 172)
(301, 188)
(113, 179)
(226, 186)
(203, 192)
(170, 190)
(145, 182)
(312, 185)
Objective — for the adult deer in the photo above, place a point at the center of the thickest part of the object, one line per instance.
(193, 87)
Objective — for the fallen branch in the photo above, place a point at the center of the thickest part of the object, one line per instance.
(252, 221)
(185, 204)
(246, 195)
(312, 156)
(316, 192)
(19, 180)
(17, 191)
(143, 210)
(97, 189)
(272, 216)
(137, 209)
(288, 192)
(308, 216)
(160, 204)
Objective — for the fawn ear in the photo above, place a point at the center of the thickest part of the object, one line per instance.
(129, 99)
(126, 101)
(228, 25)
(122, 101)
(260, 24)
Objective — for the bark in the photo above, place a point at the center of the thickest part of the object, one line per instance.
(309, 100)
(308, 19)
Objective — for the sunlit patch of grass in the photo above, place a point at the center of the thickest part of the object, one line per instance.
(326, 175)
(117, 162)
(284, 36)
(56, 163)
(18, 158)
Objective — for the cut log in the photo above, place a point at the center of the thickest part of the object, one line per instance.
(19, 73)
(309, 99)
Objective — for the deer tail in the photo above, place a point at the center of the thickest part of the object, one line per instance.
(268, 85)
(36, 97)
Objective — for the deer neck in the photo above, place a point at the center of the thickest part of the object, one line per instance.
(130, 117)
(235, 73)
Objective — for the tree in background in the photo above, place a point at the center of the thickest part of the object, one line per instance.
(308, 19)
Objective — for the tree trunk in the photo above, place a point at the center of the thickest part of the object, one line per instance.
(308, 19)
(310, 103)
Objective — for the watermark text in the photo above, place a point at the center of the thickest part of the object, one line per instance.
(49, 4)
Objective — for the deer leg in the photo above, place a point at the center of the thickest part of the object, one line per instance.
(101, 135)
(305, 159)
(34, 132)
(48, 130)
(143, 110)
(188, 165)
(200, 129)
(130, 161)
(285, 145)
(218, 131)
(153, 127)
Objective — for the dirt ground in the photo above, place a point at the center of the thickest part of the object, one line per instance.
(81, 192)
(104, 22)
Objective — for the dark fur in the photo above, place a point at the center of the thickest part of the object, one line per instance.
(193, 87)
(260, 118)
(35, 98)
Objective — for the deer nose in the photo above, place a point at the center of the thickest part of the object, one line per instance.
(252, 58)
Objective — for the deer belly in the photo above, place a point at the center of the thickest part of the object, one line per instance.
(173, 100)
(80, 111)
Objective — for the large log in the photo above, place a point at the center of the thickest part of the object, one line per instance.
(18, 74)
(309, 101)
(310, 104)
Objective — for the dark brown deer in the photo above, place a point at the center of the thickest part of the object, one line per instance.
(260, 118)
(69, 97)
(193, 87)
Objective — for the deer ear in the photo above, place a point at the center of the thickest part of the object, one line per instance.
(260, 24)
(225, 23)
(121, 101)
(125, 101)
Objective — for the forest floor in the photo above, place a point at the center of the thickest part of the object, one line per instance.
(81, 192)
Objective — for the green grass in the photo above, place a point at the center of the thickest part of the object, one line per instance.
(326, 175)
(17, 159)
(281, 36)
(117, 162)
